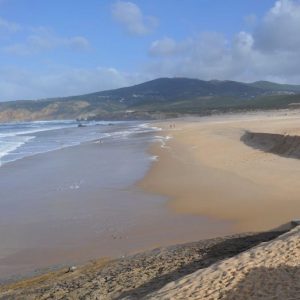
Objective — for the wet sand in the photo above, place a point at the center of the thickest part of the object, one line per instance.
(206, 169)
(71, 205)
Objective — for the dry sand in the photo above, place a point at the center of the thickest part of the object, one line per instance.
(206, 169)
(268, 271)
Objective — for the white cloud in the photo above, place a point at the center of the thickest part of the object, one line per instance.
(7, 26)
(198, 56)
(270, 52)
(280, 27)
(130, 16)
(165, 46)
(16, 83)
(243, 44)
(43, 39)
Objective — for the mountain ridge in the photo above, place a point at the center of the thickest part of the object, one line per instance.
(156, 98)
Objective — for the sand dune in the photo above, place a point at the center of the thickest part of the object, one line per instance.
(135, 276)
(268, 271)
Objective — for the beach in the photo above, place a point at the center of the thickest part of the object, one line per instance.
(226, 182)
(77, 203)
(208, 168)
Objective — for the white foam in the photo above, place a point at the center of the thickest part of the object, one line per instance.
(31, 128)
(150, 126)
(14, 135)
(120, 134)
(163, 140)
(142, 128)
(74, 187)
(9, 146)
(154, 158)
(21, 132)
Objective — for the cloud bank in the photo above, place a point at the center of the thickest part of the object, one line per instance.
(43, 39)
(269, 52)
(19, 84)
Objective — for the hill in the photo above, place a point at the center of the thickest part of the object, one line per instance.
(271, 86)
(157, 98)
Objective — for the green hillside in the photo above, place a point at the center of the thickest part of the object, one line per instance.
(276, 87)
(157, 98)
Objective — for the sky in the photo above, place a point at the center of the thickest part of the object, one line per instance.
(70, 47)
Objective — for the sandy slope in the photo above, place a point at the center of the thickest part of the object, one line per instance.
(134, 276)
(206, 169)
(268, 271)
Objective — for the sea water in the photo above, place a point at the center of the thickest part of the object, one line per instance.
(22, 139)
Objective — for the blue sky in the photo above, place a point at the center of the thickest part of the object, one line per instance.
(58, 48)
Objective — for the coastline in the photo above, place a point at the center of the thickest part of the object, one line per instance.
(182, 170)
(205, 169)
(71, 205)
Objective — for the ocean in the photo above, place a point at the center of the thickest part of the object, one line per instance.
(22, 139)
(67, 191)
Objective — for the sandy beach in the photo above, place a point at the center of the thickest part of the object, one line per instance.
(209, 167)
(242, 170)
(79, 203)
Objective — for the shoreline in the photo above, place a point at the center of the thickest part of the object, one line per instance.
(181, 169)
(205, 169)
(70, 213)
